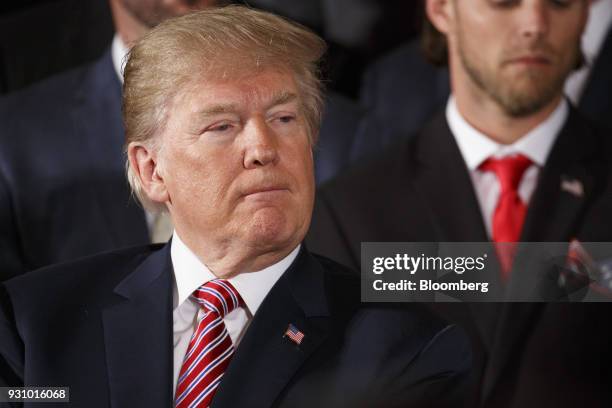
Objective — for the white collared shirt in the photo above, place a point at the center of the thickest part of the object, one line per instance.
(118, 53)
(593, 37)
(475, 147)
(190, 273)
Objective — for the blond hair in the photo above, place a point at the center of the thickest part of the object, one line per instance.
(215, 43)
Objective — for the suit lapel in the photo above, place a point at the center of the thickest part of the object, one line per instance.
(564, 187)
(554, 214)
(138, 336)
(442, 178)
(455, 212)
(98, 125)
(265, 360)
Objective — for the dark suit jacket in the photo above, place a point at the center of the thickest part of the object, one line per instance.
(420, 191)
(595, 101)
(103, 326)
(402, 91)
(63, 192)
(341, 121)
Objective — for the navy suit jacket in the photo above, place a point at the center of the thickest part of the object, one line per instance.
(103, 326)
(341, 121)
(63, 192)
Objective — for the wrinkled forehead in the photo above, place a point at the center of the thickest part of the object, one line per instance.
(257, 88)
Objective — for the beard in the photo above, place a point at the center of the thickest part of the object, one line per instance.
(526, 91)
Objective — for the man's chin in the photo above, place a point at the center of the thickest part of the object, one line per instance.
(524, 105)
(525, 99)
(268, 228)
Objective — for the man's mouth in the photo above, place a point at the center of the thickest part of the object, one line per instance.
(266, 191)
(531, 60)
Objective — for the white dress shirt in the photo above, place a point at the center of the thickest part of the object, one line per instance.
(593, 37)
(475, 147)
(190, 273)
(118, 53)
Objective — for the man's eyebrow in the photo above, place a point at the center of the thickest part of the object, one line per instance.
(282, 98)
(217, 109)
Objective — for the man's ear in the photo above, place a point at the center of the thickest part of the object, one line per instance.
(439, 12)
(145, 166)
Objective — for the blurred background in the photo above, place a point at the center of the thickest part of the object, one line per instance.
(39, 38)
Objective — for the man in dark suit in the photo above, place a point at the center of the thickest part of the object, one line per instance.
(221, 109)
(62, 187)
(510, 160)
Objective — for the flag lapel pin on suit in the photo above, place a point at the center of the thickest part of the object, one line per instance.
(293, 334)
(573, 187)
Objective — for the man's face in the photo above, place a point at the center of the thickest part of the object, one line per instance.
(518, 52)
(152, 12)
(236, 160)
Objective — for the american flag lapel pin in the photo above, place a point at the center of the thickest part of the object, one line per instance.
(293, 334)
(572, 186)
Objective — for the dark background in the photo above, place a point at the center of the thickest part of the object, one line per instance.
(39, 38)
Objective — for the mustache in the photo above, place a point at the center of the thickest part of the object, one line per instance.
(538, 49)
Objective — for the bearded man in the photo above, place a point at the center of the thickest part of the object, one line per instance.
(509, 160)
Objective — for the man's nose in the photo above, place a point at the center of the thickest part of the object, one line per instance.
(535, 18)
(260, 145)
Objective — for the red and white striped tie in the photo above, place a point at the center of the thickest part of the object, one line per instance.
(210, 348)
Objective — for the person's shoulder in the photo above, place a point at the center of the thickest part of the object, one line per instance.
(371, 170)
(404, 68)
(404, 56)
(49, 93)
(336, 270)
(380, 171)
(408, 318)
(39, 113)
(94, 275)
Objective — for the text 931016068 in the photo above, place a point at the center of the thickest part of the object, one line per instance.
(34, 394)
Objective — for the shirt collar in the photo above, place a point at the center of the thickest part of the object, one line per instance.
(118, 53)
(190, 273)
(476, 147)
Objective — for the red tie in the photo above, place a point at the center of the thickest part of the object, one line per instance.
(510, 211)
(210, 348)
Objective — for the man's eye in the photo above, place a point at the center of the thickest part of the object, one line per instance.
(504, 3)
(286, 119)
(220, 128)
(561, 3)
(509, 3)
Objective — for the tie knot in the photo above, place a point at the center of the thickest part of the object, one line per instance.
(508, 170)
(218, 296)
